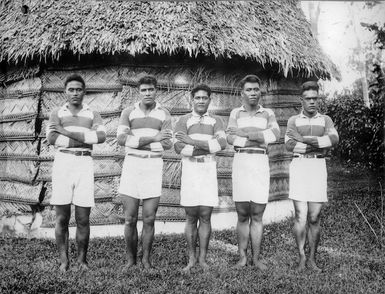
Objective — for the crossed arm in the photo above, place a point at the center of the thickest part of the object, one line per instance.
(60, 137)
(160, 142)
(242, 138)
(297, 143)
(187, 146)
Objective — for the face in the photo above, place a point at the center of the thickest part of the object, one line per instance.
(75, 92)
(147, 93)
(201, 102)
(251, 93)
(309, 102)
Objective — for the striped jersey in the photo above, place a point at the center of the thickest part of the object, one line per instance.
(134, 124)
(301, 126)
(86, 121)
(262, 128)
(205, 128)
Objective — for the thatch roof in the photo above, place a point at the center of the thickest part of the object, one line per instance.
(268, 32)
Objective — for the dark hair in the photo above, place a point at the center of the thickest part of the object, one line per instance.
(199, 87)
(249, 79)
(147, 80)
(74, 77)
(309, 85)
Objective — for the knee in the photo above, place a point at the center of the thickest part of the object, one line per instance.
(313, 220)
(243, 218)
(131, 221)
(62, 221)
(82, 222)
(205, 219)
(257, 218)
(149, 220)
(191, 219)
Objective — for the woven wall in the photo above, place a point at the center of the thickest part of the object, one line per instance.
(26, 158)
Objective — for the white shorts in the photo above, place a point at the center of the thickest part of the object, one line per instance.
(308, 180)
(72, 180)
(199, 184)
(251, 178)
(141, 177)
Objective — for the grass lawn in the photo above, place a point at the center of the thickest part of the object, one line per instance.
(352, 259)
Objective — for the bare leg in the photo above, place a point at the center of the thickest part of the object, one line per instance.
(299, 231)
(314, 232)
(204, 231)
(243, 231)
(130, 206)
(191, 231)
(63, 214)
(256, 233)
(82, 217)
(150, 207)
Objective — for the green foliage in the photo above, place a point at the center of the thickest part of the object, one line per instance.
(360, 128)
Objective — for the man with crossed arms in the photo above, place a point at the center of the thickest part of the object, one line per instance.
(251, 128)
(308, 135)
(199, 136)
(73, 129)
(145, 131)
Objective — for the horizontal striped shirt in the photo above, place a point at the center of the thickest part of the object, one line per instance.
(206, 128)
(135, 124)
(301, 126)
(86, 121)
(262, 128)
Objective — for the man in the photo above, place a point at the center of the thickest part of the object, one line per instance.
(199, 136)
(308, 135)
(145, 131)
(72, 129)
(251, 128)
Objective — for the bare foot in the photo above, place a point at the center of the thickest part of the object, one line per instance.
(301, 265)
(190, 265)
(259, 264)
(64, 267)
(203, 264)
(241, 263)
(313, 266)
(147, 265)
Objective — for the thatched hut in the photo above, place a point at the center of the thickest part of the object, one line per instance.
(111, 43)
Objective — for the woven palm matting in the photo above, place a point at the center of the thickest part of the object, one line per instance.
(271, 99)
(20, 127)
(105, 102)
(11, 208)
(105, 189)
(16, 107)
(19, 170)
(101, 78)
(14, 149)
(29, 85)
(18, 192)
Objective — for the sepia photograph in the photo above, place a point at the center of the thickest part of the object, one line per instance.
(192, 146)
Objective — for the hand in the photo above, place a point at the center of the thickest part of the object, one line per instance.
(184, 138)
(236, 131)
(294, 135)
(163, 135)
(310, 140)
(59, 129)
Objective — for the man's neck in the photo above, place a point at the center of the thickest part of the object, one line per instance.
(147, 107)
(75, 108)
(251, 108)
(309, 115)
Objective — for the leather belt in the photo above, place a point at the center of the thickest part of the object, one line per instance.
(252, 151)
(309, 156)
(201, 159)
(76, 152)
(145, 155)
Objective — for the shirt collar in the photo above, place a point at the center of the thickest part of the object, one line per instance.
(260, 108)
(157, 105)
(197, 115)
(305, 116)
(85, 107)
